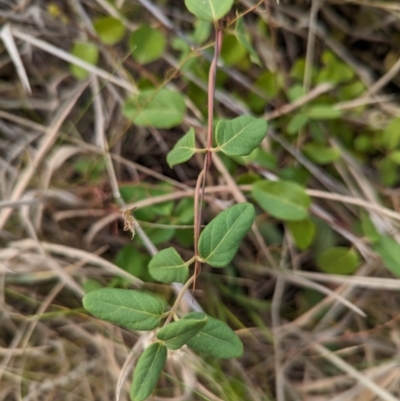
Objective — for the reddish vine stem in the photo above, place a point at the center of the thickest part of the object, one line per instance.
(200, 185)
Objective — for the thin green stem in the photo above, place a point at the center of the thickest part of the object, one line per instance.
(179, 298)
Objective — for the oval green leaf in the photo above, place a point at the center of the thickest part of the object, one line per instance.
(156, 108)
(167, 266)
(325, 112)
(242, 38)
(109, 29)
(216, 338)
(303, 232)
(321, 153)
(338, 260)
(240, 136)
(209, 10)
(176, 335)
(221, 238)
(147, 44)
(147, 371)
(297, 123)
(282, 199)
(127, 308)
(87, 52)
(183, 150)
(389, 250)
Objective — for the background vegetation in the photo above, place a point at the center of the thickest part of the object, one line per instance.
(314, 299)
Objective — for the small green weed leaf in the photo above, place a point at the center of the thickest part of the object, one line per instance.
(109, 29)
(221, 238)
(267, 83)
(147, 371)
(159, 236)
(368, 228)
(389, 250)
(232, 54)
(388, 174)
(184, 211)
(258, 156)
(391, 134)
(140, 191)
(167, 266)
(90, 285)
(183, 150)
(394, 156)
(282, 199)
(296, 92)
(216, 338)
(321, 153)
(244, 41)
(209, 10)
(127, 308)
(133, 261)
(297, 123)
(334, 71)
(87, 52)
(338, 260)
(156, 108)
(177, 334)
(202, 31)
(303, 232)
(240, 136)
(147, 44)
(326, 112)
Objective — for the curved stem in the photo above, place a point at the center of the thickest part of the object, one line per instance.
(179, 298)
(199, 194)
(211, 92)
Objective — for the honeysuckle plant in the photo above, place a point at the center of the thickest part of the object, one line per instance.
(215, 245)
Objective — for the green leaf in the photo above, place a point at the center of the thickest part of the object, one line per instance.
(140, 191)
(147, 44)
(91, 285)
(296, 92)
(147, 371)
(127, 308)
(109, 29)
(282, 199)
(368, 228)
(240, 136)
(221, 238)
(167, 266)
(297, 123)
(184, 211)
(216, 338)
(303, 232)
(388, 172)
(389, 250)
(87, 52)
(183, 150)
(394, 157)
(209, 10)
(156, 108)
(133, 261)
(326, 112)
(202, 31)
(232, 53)
(244, 41)
(177, 334)
(338, 260)
(320, 153)
(391, 134)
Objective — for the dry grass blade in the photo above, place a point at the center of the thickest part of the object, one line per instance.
(8, 40)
